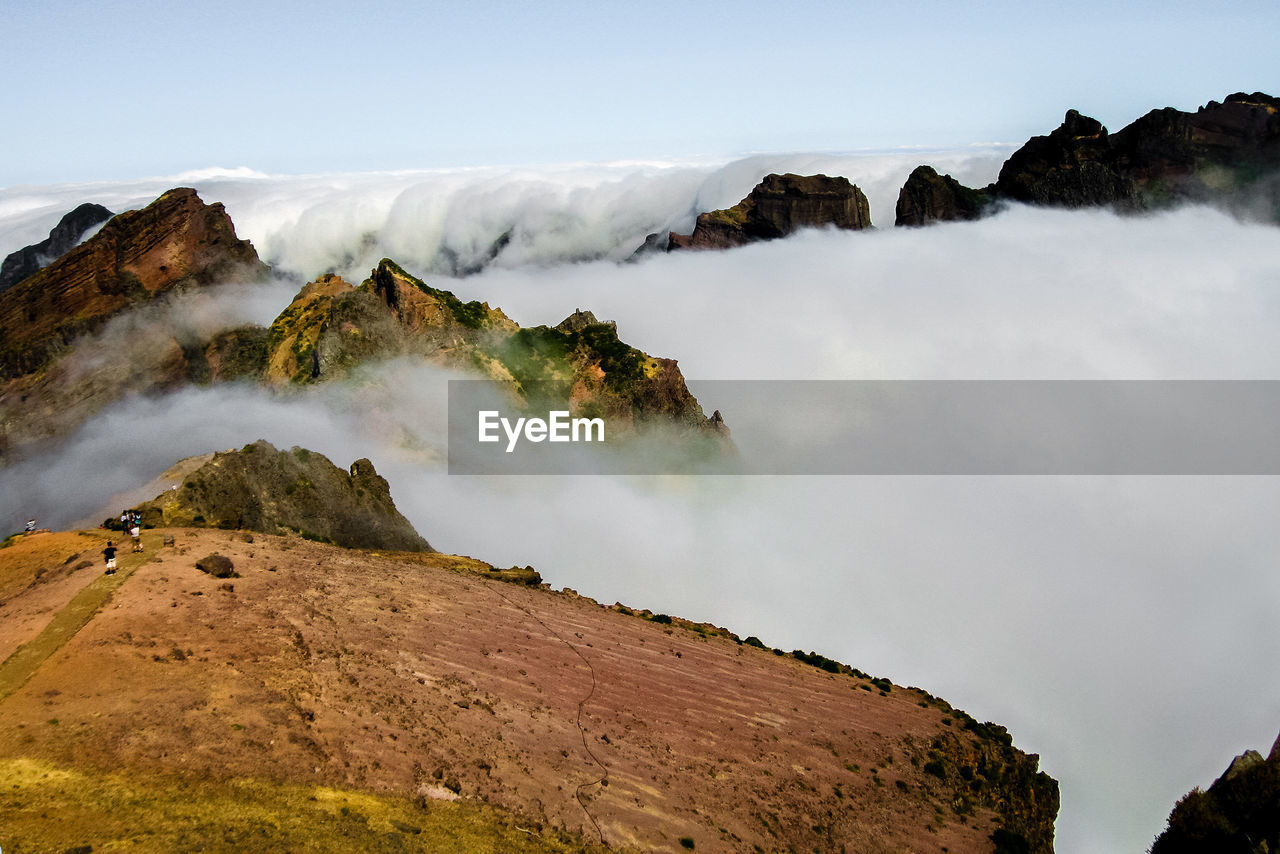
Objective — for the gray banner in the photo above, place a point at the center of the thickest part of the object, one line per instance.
(807, 427)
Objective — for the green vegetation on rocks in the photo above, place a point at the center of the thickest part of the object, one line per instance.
(259, 488)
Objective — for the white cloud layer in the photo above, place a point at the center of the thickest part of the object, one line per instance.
(1122, 627)
(450, 220)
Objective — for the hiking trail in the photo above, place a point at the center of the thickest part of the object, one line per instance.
(75, 615)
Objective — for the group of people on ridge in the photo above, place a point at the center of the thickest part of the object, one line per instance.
(131, 521)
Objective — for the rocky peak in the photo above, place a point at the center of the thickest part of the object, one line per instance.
(176, 241)
(259, 488)
(929, 197)
(1077, 126)
(778, 206)
(580, 320)
(1073, 166)
(65, 235)
(417, 305)
(1224, 153)
(1238, 812)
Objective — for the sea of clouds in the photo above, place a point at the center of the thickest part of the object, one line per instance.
(1122, 627)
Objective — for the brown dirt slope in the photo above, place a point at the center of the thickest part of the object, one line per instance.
(420, 684)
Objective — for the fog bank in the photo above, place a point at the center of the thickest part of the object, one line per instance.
(1121, 627)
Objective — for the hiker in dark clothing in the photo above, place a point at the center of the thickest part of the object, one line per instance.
(110, 554)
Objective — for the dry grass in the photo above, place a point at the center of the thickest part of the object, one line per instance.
(45, 807)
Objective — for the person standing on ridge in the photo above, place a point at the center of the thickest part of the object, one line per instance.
(110, 554)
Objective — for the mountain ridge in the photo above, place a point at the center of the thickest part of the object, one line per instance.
(423, 679)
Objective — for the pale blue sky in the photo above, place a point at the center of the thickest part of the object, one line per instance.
(115, 90)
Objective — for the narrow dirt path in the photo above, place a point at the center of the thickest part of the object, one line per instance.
(26, 659)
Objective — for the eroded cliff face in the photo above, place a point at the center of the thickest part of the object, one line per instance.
(1073, 167)
(175, 241)
(331, 327)
(929, 197)
(65, 235)
(1224, 153)
(259, 488)
(777, 206)
(54, 372)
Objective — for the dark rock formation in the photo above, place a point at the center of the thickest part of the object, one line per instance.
(1228, 152)
(1072, 167)
(219, 566)
(456, 265)
(1238, 814)
(1224, 153)
(176, 241)
(65, 235)
(779, 205)
(261, 489)
(653, 243)
(929, 197)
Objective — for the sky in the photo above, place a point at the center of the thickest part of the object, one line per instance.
(121, 90)
(1122, 628)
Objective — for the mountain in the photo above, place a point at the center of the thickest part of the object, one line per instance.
(776, 207)
(335, 699)
(259, 488)
(176, 241)
(66, 234)
(1238, 814)
(331, 327)
(1224, 153)
(929, 197)
(61, 371)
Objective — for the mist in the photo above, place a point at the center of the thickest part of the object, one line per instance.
(447, 222)
(1121, 627)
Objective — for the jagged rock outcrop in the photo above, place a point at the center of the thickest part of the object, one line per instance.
(65, 235)
(579, 321)
(259, 488)
(1224, 153)
(176, 241)
(1238, 814)
(332, 326)
(779, 205)
(929, 197)
(1074, 166)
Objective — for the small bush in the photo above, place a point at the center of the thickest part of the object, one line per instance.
(686, 842)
